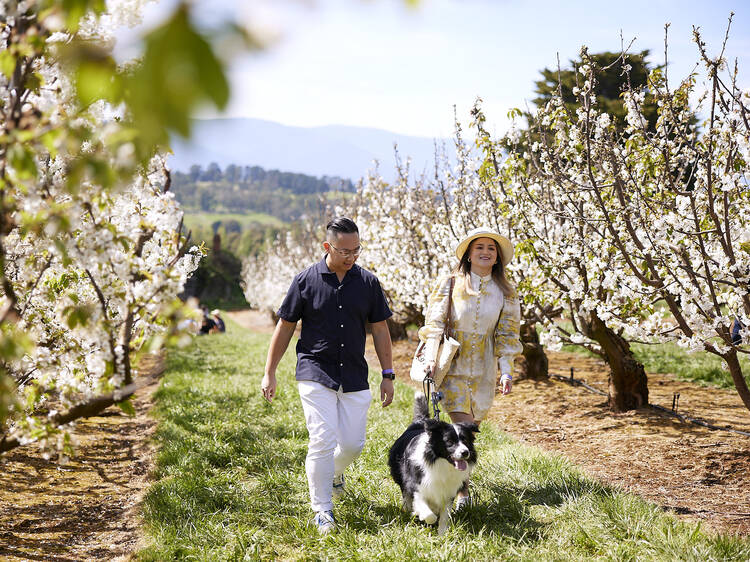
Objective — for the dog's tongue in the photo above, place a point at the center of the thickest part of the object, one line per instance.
(460, 465)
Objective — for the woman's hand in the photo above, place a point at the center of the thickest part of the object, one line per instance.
(431, 369)
(506, 384)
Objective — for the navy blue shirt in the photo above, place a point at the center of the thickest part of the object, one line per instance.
(331, 347)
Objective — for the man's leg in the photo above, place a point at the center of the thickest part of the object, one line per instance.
(352, 423)
(319, 406)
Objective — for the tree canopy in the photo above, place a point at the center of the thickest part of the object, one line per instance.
(612, 81)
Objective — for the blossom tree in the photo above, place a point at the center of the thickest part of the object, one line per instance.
(643, 232)
(91, 258)
(266, 277)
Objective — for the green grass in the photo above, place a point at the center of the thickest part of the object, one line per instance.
(699, 367)
(230, 484)
(195, 220)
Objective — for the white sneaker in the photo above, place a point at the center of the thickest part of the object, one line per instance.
(338, 486)
(324, 522)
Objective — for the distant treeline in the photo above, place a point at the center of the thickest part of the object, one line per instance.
(242, 189)
(216, 201)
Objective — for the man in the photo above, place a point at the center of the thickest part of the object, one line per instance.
(334, 298)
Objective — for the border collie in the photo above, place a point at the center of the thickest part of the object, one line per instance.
(430, 462)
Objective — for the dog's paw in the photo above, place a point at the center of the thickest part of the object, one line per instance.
(428, 518)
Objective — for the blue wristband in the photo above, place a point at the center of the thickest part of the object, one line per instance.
(387, 372)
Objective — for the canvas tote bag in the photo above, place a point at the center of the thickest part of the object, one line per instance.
(447, 350)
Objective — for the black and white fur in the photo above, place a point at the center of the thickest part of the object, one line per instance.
(431, 462)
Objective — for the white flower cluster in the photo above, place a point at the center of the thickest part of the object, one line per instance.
(91, 274)
(267, 276)
(643, 229)
(93, 294)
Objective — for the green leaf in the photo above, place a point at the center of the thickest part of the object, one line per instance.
(34, 82)
(74, 10)
(179, 72)
(78, 315)
(21, 159)
(50, 139)
(7, 63)
(13, 344)
(127, 407)
(98, 79)
(60, 245)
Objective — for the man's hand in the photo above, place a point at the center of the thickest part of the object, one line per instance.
(268, 387)
(280, 339)
(386, 392)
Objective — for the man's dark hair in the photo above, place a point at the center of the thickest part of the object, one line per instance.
(341, 225)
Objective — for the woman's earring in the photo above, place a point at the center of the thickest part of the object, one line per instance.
(469, 260)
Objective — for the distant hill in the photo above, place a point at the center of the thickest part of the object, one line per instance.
(335, 150)
(252, 189)
(247, 205)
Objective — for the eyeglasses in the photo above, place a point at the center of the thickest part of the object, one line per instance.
(347, 253)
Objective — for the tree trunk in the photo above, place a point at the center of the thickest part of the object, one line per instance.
(534, 364)
(628, 384)
(396, 329)
(739, 381)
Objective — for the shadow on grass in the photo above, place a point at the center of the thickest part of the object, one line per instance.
(502, 514)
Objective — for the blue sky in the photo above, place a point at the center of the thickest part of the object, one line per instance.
(379, 63)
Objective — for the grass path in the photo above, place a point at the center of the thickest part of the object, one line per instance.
(230, 484)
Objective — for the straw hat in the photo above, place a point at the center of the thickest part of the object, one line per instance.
(506, 248)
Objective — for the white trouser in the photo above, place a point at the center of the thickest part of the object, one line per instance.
(336, 423)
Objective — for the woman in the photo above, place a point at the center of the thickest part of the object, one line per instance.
(485, 318)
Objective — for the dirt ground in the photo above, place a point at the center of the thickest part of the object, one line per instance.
(88, 509)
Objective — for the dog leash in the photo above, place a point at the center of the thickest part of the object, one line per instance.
(433, 397)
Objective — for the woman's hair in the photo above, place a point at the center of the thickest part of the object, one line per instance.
(498, 271)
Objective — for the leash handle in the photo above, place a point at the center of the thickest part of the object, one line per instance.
(433, 397)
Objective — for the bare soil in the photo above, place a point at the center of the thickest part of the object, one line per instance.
(89, 508)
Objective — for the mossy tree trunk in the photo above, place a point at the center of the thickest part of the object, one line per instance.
(534, 363)
(628, 384)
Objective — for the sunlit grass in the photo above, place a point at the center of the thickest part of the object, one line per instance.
(230, 484)
(196, 220)
(700, 367)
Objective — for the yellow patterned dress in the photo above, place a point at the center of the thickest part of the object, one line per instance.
(486, 324)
